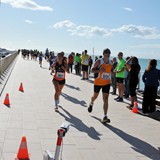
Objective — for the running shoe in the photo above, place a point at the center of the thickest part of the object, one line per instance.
(117, 98)
(120, 99)
(130, 107)
(105, 120)
(90, 108)
(56, 108)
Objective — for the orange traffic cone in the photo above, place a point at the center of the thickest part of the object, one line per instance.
(6, 100)
(23, 151)
(21, 87)
(135, 108)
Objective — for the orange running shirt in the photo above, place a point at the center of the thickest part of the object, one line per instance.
(104, 77)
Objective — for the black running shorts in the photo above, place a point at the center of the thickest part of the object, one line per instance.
(119, 80)
(59, 82)
(84, 68)
(105, 89)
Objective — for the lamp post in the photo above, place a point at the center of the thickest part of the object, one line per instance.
(93, 53)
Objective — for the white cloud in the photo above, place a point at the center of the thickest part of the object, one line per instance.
(28, 21)
(27, 4)
(89, 31)
(128, 9)
(151, 46)
(139, 31)
(65, 24)
(81, 30)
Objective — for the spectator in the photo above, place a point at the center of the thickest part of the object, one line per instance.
(151, 79)
(113, 76)
(126, 81)
(133, 68)
(90, 64)
(85, 63)
(77, 61)
(120, 74)
(70, 62)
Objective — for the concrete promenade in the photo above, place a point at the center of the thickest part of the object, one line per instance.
(129, 136)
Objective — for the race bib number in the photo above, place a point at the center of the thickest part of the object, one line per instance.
(60, 75)
(86, 61)
(105, 76)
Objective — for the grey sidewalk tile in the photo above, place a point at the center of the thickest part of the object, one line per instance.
(45, 133)
(44, 124)
(35, 151)
(15, 125)
(3, 125)
(83, 143)
(14, 134)
(49, 144)
(4, 117)
(31, 135)
(9, 156)
(11, 146)
(29, 125)
(29, 116)
(89, 154)
(16, 117)
(70, 152)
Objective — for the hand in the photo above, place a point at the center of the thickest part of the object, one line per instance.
(101, 70)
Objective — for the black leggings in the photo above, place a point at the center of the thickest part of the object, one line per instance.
(149, 103)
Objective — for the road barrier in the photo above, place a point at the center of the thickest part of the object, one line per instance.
(5, 62)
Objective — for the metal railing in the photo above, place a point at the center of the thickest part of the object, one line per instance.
(5, 62)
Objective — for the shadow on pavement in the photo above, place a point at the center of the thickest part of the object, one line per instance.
(74, 100)
(138, 145)
(79, 125)
(72, 87)
(44, 68)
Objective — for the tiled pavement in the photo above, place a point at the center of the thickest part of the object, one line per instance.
(129, 136)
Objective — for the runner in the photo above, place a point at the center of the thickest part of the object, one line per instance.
(102, 81)
(40, 59)
(60, 67)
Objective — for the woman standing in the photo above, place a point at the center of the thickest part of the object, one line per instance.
(133, 68)
(151, 79)
(60, 66)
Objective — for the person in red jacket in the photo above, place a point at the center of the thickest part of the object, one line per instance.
(70, 61)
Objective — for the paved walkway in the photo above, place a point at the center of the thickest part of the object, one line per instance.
(128, 137)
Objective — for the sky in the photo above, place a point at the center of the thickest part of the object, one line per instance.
(128, 26)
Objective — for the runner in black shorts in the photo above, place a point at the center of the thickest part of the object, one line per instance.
(60, 67)
(103, 82)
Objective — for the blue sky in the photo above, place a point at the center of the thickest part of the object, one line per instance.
(130, 26)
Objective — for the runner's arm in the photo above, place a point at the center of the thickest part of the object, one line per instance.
(96, 65)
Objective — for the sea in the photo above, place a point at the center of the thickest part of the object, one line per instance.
(144, 64)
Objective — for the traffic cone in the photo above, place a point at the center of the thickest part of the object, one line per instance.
(6, 100)
(23, 151)
(135, 108)
(21, 87)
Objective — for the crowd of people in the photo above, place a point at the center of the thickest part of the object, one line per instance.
(119, 73)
